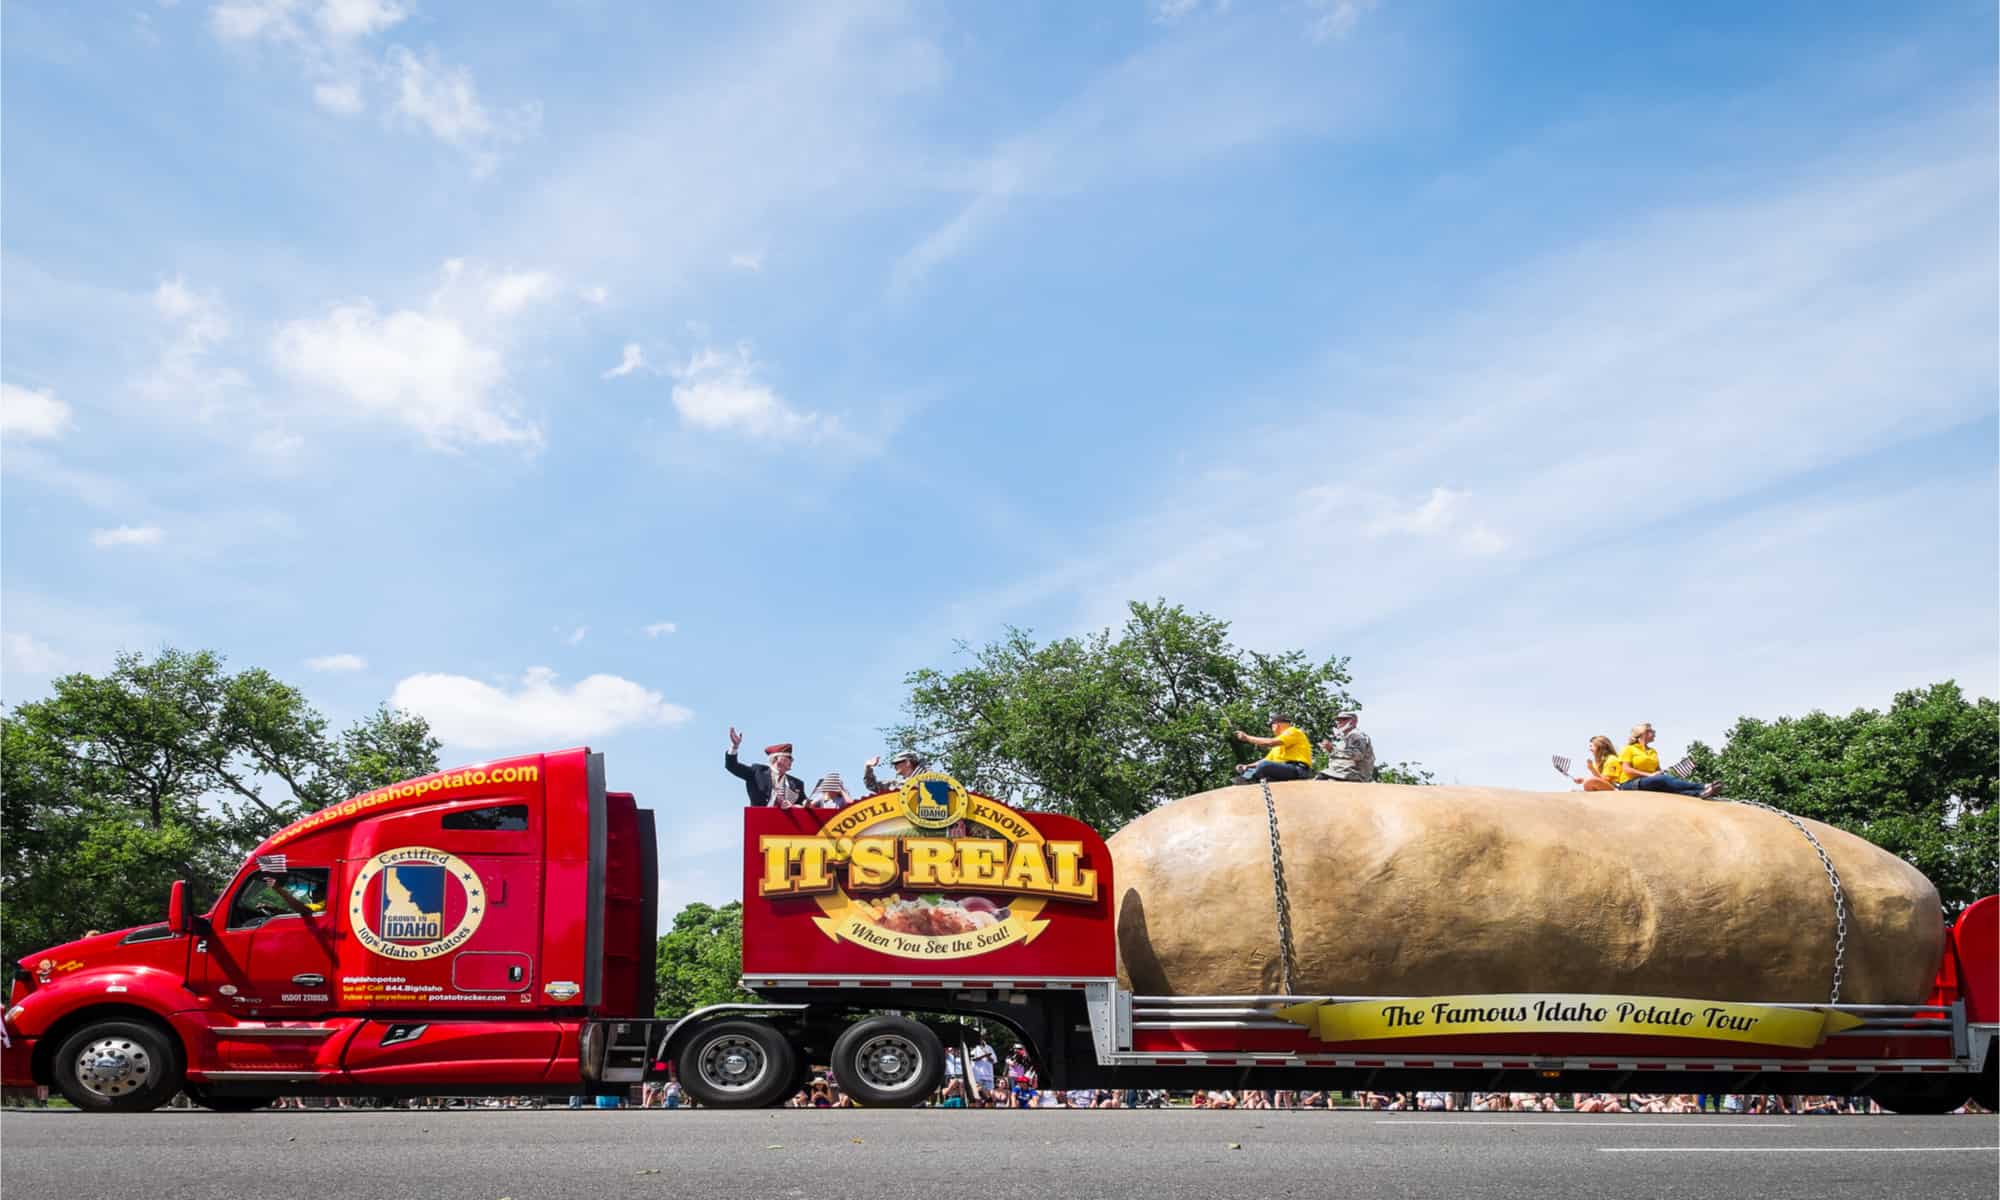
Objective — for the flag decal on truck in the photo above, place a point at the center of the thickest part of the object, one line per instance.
(414, 903)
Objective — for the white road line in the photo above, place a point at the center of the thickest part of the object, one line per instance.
(1587, 1122)
(1795, 1149)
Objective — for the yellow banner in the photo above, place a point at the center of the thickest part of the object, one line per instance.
(1654, 1016)
(857, 923)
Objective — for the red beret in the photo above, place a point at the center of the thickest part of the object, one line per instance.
(780, 748)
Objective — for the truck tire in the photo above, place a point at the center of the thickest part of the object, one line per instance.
(118, 1066)
(737, 1064)
(888, 1062)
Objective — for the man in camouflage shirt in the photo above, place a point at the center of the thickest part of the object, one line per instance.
(1350, 756)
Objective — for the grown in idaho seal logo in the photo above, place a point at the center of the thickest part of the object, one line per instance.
(933, 800)
(413, 903)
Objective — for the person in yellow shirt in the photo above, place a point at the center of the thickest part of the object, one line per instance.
(1638, 767)
(1290, 754)
(1603, 770)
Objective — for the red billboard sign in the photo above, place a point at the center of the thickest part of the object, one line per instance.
(927, 880)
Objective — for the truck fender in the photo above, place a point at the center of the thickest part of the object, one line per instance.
(147, 988)
(676, 1032)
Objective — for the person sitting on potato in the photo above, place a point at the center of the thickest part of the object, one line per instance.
(1290, 756)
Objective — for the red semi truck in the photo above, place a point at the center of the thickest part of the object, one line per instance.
(492, 930)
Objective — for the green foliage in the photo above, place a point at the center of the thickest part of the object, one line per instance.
(165, 768)
(1405, 772)
(1107, 726)
(701, 959)
(1918, 780)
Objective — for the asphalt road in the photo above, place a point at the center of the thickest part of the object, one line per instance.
(996, 1155)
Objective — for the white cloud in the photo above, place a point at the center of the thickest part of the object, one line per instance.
(1444, 515)
(631, 359)
(276, 446)
(22, 654)
(438, 371)
(444, 100)
(358, 18)
(31, 413)
(341, 96)
(1167, 12)
(1140, 119)
(720, 391)
(538, 712)
(513, 292)
(747, 260)
(126, 535)
(185, 375)
(337, 662)
(660, 627)
(575, 636)
(247, 20)
(1335, 18)
(328, 40)
(596, 294)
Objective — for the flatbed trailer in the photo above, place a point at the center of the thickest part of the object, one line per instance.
(813, 961)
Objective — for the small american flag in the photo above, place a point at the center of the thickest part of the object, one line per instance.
(1561, 764)
(271, 862)
(1684, 768)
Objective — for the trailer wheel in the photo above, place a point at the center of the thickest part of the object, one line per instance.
(117, 1066)
(888, 1062)
(737, 1064)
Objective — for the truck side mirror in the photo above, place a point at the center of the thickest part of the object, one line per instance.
(177, 914)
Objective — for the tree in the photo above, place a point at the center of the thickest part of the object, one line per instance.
(701, 959)
(166, 768)
(1107, 726)
(1918, 780)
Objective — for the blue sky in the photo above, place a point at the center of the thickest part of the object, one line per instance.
(584, 372)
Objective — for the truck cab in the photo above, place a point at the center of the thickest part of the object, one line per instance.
(449, 932)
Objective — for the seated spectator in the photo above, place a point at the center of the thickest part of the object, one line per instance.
(954, 1094)
(1350, 755)
(1641, 771)
(829, 792)
(1290, 755)
(1598, 766)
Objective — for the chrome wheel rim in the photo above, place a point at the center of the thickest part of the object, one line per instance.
(889, 1062)
(733, 1063)
(114, 1067)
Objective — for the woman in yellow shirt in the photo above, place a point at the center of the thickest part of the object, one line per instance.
(1602, 771)
(1640, 765)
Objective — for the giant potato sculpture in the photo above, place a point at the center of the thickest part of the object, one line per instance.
(1440, 890)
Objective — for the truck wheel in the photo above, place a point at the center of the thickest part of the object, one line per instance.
(888, 1062)
(118, 1066)
(737, 1064)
